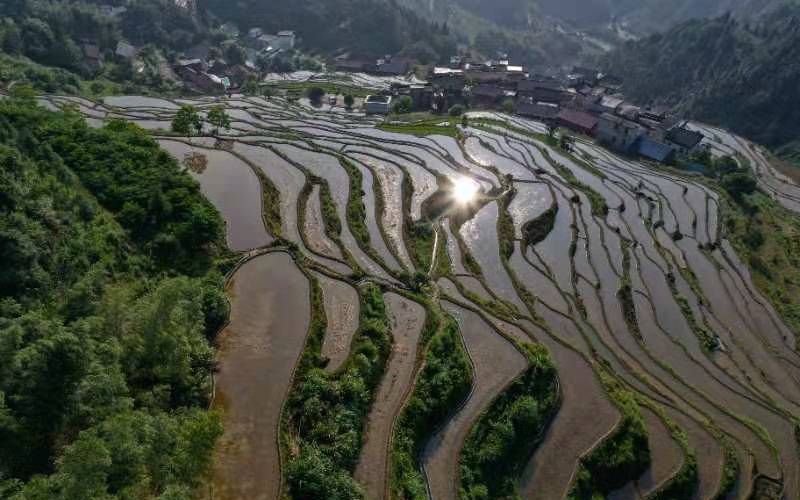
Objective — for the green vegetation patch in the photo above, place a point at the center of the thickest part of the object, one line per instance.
(443, 383)
(325, 412)
(105, 355)
(767, 238)
(536, 230)
(438, 125)
(503, 439)
(622, 457)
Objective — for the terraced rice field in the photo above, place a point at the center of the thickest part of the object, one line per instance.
(621, 270)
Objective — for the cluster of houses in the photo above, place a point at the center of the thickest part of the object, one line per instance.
(385, 66)
(584, 101)
(94, 58)
(202, 73)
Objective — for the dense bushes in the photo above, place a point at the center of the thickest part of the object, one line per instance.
(444, 382)
(622, 457)
(104, 361)
(537, 230)
(501, 441)
(160, 207)
(326, 412)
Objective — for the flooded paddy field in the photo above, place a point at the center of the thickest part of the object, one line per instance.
(632, 281)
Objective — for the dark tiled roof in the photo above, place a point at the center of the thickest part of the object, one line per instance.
(684, 137)
(399, 67)
(578, 118)
(653, 150)
(491, 91)
(537, 110)
(91, 51)
(531, 85)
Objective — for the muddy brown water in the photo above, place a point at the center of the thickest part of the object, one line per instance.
(496, 363)
(256, 357)
(314, 226)
(342, 312)
(407, 318)
(234, 190)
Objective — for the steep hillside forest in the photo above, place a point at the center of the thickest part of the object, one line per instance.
(109, 298)
(362, 27)
(739, 75)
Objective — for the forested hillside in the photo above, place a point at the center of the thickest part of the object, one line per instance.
(724, 71)
(363, 27)
(108, 301)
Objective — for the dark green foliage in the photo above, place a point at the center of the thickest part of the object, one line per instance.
(444, 382)
(349, 100)
(501, 441)
(315, 94)
(709, 69)
(622, 457)
(739, 184)
(360, 26)
(456, 110)
(326, 412)
(105, 362)
(187, 121)
(537, 230)
(218, 118)
(505, 229)
(420, 237)
(402, 105)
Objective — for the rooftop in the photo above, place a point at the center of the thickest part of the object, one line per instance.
(578, 118)
(684, 137)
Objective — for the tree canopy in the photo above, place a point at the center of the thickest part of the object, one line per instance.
(105, 359)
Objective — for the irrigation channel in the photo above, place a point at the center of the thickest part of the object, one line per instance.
(621, 270)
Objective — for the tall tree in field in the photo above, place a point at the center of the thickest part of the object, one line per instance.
(187, 121)
(219, 118)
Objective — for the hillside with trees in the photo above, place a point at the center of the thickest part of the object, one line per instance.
(361, 27)
(109, 298)
(724, 71)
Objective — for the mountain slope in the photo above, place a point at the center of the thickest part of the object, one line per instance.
(722, 71)
(364, 27)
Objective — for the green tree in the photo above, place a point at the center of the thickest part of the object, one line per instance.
(456, 110)
(739, 184)
(566, 142)
(315, 94)
(508, 106)
(349, 100)
(403, 105)
(219, 118)
(187, 121)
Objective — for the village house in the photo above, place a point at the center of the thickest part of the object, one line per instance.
(421, 95)
(609, 103)
(393, 66)
(92, 58)
(618, 133)
(487, 95)
(684, 141)
(112, 11)
(285, 40)
(546, 112)
(125, 50)
(653, 150)
(353, 65)
(543, 91)
(230, 30)
(378, 104)
(578, 121)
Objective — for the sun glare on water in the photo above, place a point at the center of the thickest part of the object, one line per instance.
(465, 190)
